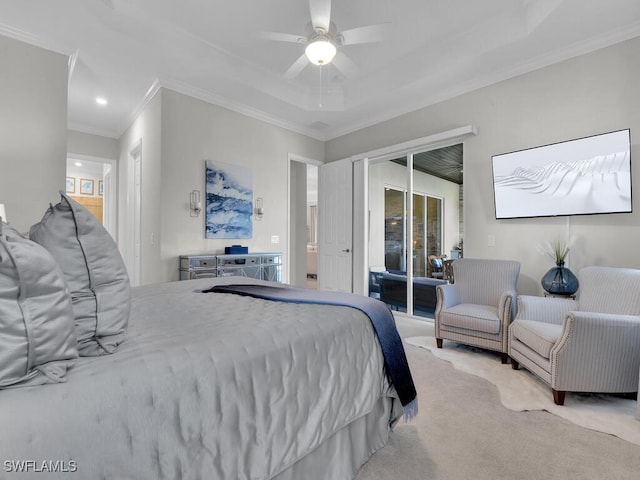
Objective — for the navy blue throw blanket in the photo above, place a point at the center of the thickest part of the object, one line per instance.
(395, 360)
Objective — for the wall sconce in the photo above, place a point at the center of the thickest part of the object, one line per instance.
(259, 210)
(195, 206)
(3, 213)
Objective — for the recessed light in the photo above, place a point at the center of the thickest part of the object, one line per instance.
(78, 164)
(101, 101)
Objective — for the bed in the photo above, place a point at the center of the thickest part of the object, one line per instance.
(167, 381)
(212, 386)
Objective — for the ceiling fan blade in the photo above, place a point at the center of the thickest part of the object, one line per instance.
(320, 14)
(368, 34)
(282, 37)
(297, 67)
(344, 64)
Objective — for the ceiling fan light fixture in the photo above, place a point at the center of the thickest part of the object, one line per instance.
(320, 52)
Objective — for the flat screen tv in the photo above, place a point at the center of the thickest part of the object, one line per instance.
(588, 175)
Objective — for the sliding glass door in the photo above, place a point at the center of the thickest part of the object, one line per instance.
(407, 225)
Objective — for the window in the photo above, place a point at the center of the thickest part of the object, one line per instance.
(394, 229)
(427, 230)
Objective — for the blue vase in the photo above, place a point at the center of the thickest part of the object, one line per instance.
(560, 281)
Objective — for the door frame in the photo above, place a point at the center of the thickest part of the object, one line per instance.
(110, 192)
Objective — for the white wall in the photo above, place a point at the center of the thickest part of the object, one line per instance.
(33, 130)
(587, 95)
(388, 174)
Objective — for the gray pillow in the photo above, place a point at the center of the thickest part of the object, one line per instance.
(37, 341)
(94, 271)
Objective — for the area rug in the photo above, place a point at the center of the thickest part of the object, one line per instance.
(522, 391)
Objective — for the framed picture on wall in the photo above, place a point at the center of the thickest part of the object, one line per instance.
(100, 187)
(229, 207)
(86, 186)
(71, 185)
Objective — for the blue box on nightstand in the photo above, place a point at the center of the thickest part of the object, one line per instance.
(236, 250)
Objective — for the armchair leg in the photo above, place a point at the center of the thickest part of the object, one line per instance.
(515, 365)
(558, 396)
(504, 358)
(439, 342)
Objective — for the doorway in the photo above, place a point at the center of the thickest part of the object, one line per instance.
(302, 224)
(312, 227)
(92, 182)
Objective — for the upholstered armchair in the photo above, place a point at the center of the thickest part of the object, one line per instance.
(587, 345)
(478, 308)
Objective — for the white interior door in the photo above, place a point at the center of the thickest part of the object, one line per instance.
(335, 243)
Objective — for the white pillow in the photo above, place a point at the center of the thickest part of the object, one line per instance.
(37, 341)
(94, 271)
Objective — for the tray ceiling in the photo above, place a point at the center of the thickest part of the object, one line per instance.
(213, 50)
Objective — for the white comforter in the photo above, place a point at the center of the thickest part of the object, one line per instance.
(204, 386)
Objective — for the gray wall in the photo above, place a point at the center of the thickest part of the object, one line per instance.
(145, 132)
(591, 94)
(587, 95)
(80, 143)
(33, 130)
(178, 133)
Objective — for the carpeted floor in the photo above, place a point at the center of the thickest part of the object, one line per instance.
(520, 390)
(464, 432)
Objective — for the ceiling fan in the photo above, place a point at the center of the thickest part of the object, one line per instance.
(323, 40)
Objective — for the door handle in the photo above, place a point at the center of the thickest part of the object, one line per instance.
(346, 250)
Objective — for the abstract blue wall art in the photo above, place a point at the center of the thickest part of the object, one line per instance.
(229, 205)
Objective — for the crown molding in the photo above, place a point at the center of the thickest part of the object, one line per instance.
(542, 61)
(238, 107)
(71, 64)
(21, 35)
(397, 109)
(153, 89)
